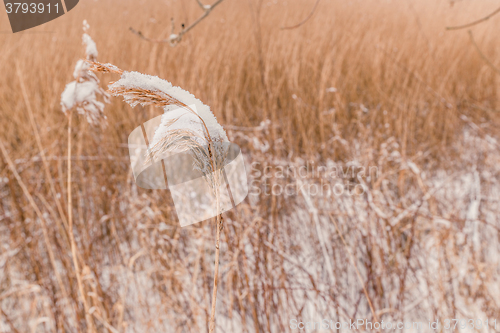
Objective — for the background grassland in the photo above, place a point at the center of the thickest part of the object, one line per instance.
(389, 56)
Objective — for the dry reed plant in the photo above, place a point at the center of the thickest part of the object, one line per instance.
(194, 129)
(360, 83)
(81, 95)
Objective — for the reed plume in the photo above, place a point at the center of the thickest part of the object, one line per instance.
(82, 93)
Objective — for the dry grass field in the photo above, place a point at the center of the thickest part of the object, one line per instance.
(374, 84)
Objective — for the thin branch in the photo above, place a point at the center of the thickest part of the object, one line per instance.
(351, 257)
(174, 39)
(202, 6)
(305, 20)
(139, 33)
(482, 54)
(475, 22)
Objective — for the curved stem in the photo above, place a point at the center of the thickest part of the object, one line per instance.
(216, 274)
(475, 22)
(304, 20)
(482, 54)
(217, 254)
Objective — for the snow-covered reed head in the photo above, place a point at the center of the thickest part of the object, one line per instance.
(82, 93)
(187, 124)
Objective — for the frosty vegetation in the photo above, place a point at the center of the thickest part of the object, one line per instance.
(82, 93)
(417, 102)
(187, 123)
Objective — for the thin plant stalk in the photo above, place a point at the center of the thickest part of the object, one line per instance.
(146, 96)
(47, 173)
(217, 254)
(353, 262)
(40, 146)
(40, 216)
(90, 323)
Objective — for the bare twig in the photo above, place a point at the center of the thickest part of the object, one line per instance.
(202, 6)
(475, 22)
(139, 33)
(174, 39)
(351, 257)
(304, 20)
(482, 54)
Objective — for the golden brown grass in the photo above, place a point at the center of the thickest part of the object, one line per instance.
(401, 81)
(387, 56)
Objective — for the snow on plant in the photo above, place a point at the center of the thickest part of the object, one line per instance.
(187, 124)
(82, 93)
